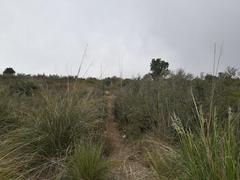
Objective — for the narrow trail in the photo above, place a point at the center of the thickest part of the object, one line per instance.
(124, 155)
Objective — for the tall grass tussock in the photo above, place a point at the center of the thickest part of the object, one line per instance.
(48, 135)
(212, 152)
(88, 163)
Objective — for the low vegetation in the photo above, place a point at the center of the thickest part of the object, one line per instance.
(210, 153)
(88, 163)
(49, 133)
(178, 126)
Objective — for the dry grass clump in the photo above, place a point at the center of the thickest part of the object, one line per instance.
(163, 159)
(48, 135)
(8, 117)
(88, 163)
(211, 153)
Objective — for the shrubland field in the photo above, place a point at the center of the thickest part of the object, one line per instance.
(175, 127)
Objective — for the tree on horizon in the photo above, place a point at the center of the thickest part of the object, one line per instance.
(9, 71)
(159, 68)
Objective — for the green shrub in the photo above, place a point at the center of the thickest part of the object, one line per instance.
(145, 105)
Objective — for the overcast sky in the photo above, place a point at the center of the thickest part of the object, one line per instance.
(49, 36)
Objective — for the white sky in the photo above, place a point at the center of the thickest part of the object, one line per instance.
(49, 36)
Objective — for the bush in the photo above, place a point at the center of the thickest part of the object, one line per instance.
(145, 105)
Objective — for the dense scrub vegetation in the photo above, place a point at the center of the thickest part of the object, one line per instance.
(55, 127)
(197, 117)
(42, 130)
(145, 105)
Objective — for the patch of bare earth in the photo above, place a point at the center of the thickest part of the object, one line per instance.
(127, 162)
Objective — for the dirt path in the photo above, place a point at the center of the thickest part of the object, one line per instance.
(125, 156)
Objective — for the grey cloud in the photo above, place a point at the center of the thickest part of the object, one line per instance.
(122, 36)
